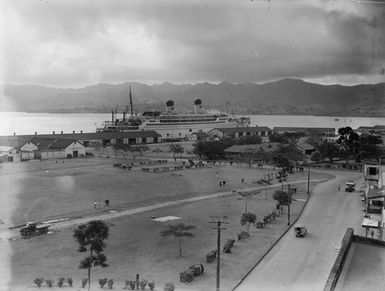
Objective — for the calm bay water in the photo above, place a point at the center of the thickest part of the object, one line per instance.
(44, 123)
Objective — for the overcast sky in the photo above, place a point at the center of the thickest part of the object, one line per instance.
(78, 43)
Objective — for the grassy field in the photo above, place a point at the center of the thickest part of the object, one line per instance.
(49, 189)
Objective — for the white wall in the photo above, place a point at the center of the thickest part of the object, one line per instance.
(75, 146)
(16, 154)
(27, 156)
(53, 155)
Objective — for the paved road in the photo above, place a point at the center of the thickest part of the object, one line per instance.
(305, 263)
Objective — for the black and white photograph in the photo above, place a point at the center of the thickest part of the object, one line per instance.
(192, 145)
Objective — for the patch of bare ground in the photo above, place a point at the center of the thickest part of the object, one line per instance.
(135, 245)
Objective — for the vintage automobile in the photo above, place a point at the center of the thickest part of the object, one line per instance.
(350, 186)
(32, 228)
(300, 230)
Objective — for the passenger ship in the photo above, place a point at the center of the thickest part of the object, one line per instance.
(173, 125)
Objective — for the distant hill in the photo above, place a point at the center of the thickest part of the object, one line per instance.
(287, 96)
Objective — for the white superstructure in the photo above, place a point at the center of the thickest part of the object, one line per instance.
(172, 125)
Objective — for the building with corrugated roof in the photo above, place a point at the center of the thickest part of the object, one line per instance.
(306, 130)
(239, 132)
(53, 146)
(305, 148)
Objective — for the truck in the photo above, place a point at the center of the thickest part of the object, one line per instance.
(33, 228)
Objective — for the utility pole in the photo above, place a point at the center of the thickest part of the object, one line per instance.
(308, 180)
(218, 228)
(288, 205)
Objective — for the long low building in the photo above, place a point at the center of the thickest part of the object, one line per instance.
(239, 132)
(306, 130)
(53, 146)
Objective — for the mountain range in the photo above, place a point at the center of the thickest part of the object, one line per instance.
(287, 96)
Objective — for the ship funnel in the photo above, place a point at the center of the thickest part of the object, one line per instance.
(169, 106)
(197, 105)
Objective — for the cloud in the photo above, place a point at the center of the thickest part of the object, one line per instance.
(72, 43)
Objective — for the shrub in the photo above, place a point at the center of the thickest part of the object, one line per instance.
(169, 286)
(243, 235)
(197, 269)
(69, 280)
(60, 282)
(84, 282)
(130, 284)
(143, 284)
(210, 257)
(49, 283)
(110, 282)
(102, 282)
(151, 285)
(186, 276)
(38, 281)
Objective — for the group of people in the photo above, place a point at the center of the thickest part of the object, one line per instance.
(98, 204)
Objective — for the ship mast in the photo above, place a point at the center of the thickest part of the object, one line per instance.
(132, 110)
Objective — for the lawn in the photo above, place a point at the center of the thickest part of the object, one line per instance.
(135, 245)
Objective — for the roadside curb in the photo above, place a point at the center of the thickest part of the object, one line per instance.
(273, 245)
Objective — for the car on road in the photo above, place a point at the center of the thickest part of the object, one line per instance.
(300, 230)
(350, 186)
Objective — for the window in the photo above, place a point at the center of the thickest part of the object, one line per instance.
(372, 171)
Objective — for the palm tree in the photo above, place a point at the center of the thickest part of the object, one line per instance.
(178, 230)
(91, 237)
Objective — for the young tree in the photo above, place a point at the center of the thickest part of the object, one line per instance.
(282, 197)
(91, 237)
(178, 230)
(285, 167)
(176, 149)
(247, 219)
(246, 195)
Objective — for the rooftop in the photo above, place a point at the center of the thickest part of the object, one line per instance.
(19, 140)
(253, 148)
(243, 129)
